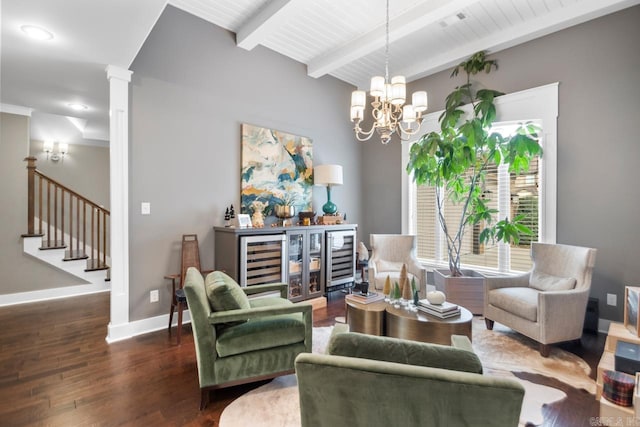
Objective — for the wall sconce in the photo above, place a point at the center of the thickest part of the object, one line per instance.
(48, 147)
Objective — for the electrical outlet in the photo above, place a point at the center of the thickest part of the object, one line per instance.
(153, 295)
(145, 208)
(612, 299)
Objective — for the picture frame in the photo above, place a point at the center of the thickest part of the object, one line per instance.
(242, 221)
(277, 170)
(631, 309)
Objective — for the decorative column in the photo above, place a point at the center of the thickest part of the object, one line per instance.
(119, 79)
(31, 213)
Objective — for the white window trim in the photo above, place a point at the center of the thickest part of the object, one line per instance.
(540, 104)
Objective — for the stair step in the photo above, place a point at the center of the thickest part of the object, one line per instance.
(95, 265)
(72, 255)
(53, 244)
(32, 235)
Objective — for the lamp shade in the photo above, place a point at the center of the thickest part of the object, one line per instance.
(327, 175)
(377, 86)
(419, 100)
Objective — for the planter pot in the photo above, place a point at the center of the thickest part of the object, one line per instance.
(467, 290)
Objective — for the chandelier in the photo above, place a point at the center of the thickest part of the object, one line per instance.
(389, 109)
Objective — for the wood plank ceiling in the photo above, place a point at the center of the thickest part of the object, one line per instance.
(346, 38)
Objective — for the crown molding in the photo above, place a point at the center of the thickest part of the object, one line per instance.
(16, 109)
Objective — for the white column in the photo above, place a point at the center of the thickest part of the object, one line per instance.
(119, 79)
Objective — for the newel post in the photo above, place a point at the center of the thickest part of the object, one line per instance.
(31, 173)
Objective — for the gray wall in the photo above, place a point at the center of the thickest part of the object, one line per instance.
(20, 272)
(85, 170)
(597, 66)
(191, 90)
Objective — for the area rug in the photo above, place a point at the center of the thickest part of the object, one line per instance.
(276, 404)
(506, 350)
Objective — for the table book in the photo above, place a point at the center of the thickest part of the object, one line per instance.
(442, 311)
(440, 308)
(365, 299)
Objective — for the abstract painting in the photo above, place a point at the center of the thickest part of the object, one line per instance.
(277, 169)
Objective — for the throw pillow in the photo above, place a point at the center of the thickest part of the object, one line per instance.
(224, 293)
(546, 282)
(382, 265)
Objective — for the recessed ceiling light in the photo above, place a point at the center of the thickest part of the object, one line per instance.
(36, 33)
(77, 107)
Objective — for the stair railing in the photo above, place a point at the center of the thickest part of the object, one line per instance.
(59, 213)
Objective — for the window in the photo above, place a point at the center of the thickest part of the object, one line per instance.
(532, 193)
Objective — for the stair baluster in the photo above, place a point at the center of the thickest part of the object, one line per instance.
(47, 195)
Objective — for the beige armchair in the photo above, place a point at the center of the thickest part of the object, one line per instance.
(389, 252)
(548, 303)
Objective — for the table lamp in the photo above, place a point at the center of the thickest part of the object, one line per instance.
(328, 175)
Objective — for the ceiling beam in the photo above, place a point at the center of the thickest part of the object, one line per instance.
(414, 19)
(265, 22)
(564, 18)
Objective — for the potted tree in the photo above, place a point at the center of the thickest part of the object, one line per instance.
(456, 159)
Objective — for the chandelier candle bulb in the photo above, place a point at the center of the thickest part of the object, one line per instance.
(420, 101)
(358, 99)
(377, 86)
(357, 113)
(398, 90)
(408, 114)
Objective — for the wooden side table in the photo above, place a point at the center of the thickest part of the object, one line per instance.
(419, 326)
(609, 411)
(365, 318)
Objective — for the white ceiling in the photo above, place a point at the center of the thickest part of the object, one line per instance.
(341, 38)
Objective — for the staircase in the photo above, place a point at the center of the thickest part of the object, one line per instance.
(66, 230)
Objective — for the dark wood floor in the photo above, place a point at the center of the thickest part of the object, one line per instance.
(57, 370)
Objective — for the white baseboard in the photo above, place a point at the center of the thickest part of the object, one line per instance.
(54, 293)
(144, 326)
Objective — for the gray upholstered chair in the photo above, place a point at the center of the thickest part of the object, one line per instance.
(240, 340)
(548, 303)
(388, 253)
(374, 381)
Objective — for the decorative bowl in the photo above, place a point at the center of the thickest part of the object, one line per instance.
(306, 214)
(283, 211)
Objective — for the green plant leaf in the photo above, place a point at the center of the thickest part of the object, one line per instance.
(455, 160)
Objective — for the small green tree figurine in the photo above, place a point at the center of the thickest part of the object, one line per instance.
(414, 291)
(455, 160)
(396, 291)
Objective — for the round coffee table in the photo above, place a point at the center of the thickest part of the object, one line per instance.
(365, 318)
(419, 326)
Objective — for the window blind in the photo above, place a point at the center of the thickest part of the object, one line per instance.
(523, 192)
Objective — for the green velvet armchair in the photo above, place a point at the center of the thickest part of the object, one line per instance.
(378, 381)
(240, 340)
